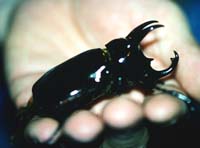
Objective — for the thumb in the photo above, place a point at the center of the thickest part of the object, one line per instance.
(176, 35)
(188, 70)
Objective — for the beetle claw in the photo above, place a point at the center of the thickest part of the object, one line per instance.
(141, 31)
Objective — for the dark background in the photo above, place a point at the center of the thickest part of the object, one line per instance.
(177, 136)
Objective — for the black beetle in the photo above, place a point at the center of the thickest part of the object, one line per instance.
(94, 74)
(119, 67)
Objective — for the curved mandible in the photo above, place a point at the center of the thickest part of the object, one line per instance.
(137, 34)
(174, 62)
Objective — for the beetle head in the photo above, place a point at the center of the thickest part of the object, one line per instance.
(127, 53)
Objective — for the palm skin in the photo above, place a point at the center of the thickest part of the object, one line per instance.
(71, 27)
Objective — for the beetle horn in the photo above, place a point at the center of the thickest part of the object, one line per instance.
(173, 65)
(141, 31)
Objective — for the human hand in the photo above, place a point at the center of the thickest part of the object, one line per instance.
(71, 27)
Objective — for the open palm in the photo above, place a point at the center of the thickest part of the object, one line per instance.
(46, 33)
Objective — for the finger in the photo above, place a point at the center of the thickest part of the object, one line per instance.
(123, 115)
(189, 64)
(111, 109)
(188, 72)
(187, 69)
(164, 109)
(83, 126)
(134, 95)
(122, 112)
(98, 108)
(40, 130)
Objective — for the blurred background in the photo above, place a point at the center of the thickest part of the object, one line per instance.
(170, 137)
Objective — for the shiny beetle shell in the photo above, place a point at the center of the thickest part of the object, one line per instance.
(96, 73)
(90, 76)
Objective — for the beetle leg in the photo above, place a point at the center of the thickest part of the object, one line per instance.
(193, 106)
(141, 31)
